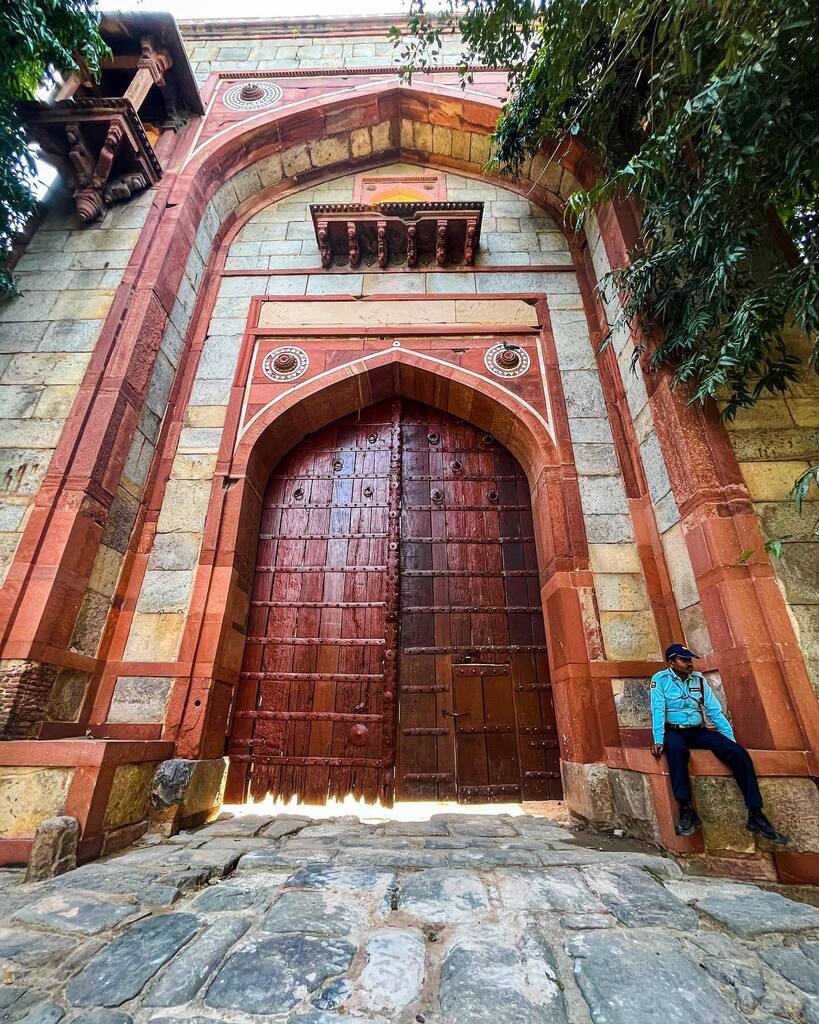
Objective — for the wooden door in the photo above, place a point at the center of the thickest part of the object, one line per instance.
(472, 635)
(315, 710)
(487, 766)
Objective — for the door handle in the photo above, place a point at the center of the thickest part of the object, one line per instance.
(455, 714)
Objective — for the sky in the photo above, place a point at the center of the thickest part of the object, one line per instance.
(182, 9)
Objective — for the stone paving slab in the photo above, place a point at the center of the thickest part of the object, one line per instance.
(284, 919)
(627, 979)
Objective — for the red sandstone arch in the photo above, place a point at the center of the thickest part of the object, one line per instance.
(200, 706)
(756, 649)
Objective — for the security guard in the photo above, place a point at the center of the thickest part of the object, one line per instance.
(680, 700)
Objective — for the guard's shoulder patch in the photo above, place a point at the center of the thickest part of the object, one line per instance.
(653, 684)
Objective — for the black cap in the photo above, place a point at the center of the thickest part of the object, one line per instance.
(680, 651)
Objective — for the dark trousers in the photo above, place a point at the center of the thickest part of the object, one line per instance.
(679, 743)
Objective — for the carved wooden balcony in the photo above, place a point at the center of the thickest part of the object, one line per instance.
(414, 234)
(100, 135)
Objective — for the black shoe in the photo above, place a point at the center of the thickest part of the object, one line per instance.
(759, 824)
(689, 821)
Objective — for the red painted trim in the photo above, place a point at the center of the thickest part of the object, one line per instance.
(768, 763)
(427, 297)
(543, 268)
(15, 851)
(90, 752)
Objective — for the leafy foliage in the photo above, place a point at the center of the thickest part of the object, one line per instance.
(706, 115)
(36, 37)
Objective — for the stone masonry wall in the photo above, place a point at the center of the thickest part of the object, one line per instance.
(67, 277)
(775, 441)
(300, 52)
(281, 237)
(665, 507)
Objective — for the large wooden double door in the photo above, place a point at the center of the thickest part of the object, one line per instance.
(395, 643)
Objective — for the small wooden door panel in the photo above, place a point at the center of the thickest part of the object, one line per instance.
(486, 754)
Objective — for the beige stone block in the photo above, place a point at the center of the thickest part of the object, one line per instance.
(55, 402)
(479, 149)
(49, 368)
(805, 411)
(356, 314)
(422, 136)
(140, 699)
(67, 695)
(382, 136)
(679, 567)
(441, 140)
(393, 284)
(205, 415)
(105, 573)
(154, 637)
(90, 623)
(406, 133)
(587, 792)
(91, 239)
(195, 466)
(184, 506)
(620, 592)
(295, 161)
(500, 311)
(8, 546)
(83, 304)
(460, 145)
(30, 433)
(719, 804)
(28, 795)
(332, 150)
(767, 412)
(773, 481)
(360, 144)
(632, 702)
(270, 170)
(182, 788)
(546, 172)
(695, 631)
(128, 800)
(643, 423)
(633, 804)
(793, 807)
(605, 558)
(630, 636)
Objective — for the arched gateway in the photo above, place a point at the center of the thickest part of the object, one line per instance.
(395, 643)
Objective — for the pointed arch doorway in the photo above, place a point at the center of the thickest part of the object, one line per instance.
(395, 645)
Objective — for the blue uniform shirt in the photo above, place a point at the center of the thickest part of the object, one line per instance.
(681, 702)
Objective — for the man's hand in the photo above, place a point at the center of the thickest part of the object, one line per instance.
(657, 749)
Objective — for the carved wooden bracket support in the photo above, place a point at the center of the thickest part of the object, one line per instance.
(397, 233)
(99, 143)
(99, 146)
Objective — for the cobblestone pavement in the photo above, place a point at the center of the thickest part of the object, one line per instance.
(457, 920)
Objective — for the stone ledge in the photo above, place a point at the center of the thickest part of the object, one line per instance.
(766, 762)
(75, 752)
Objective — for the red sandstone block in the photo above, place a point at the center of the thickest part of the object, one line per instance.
(351, 113)
(304, 126)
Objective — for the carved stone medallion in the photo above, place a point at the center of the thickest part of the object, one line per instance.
(506, 362)
(251, 96)
(286, 363)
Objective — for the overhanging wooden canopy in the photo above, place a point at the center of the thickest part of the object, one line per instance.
(397, 233)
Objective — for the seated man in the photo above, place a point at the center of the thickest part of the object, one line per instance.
(680, 700)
